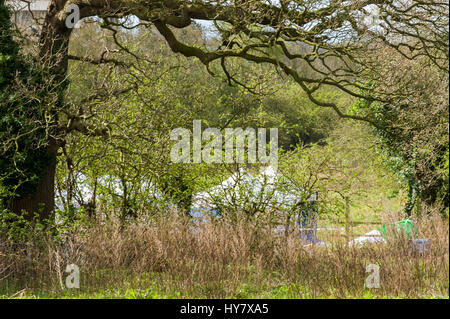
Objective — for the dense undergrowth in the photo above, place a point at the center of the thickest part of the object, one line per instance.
(173, 258)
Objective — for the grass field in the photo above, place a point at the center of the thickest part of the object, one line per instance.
(169, 260)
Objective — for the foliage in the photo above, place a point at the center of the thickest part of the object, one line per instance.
(133, 154)
(24, 120)
(413, 127)
(341, 170)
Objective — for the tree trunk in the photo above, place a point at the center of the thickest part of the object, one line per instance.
(348, 221)
(54, 45)
(42, 201)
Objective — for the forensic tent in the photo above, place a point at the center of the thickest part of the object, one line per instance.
(242, 187)
(107, 185)
(268, 191)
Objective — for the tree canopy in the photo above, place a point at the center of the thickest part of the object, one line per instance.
(316, 44)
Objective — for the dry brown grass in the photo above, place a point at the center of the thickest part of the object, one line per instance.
(225, 260)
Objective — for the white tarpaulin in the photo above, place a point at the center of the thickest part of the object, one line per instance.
(373, 236)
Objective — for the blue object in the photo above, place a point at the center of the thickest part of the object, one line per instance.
(308, 220)
(201, 213)
(421, 246)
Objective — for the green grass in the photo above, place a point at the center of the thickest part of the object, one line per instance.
(245, 291)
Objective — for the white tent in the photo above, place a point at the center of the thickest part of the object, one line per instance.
(229, 190)
(84, 191)
(269, 190)
(269, 187)
(284, 194)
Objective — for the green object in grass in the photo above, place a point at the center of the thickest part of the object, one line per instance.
(399, 227)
